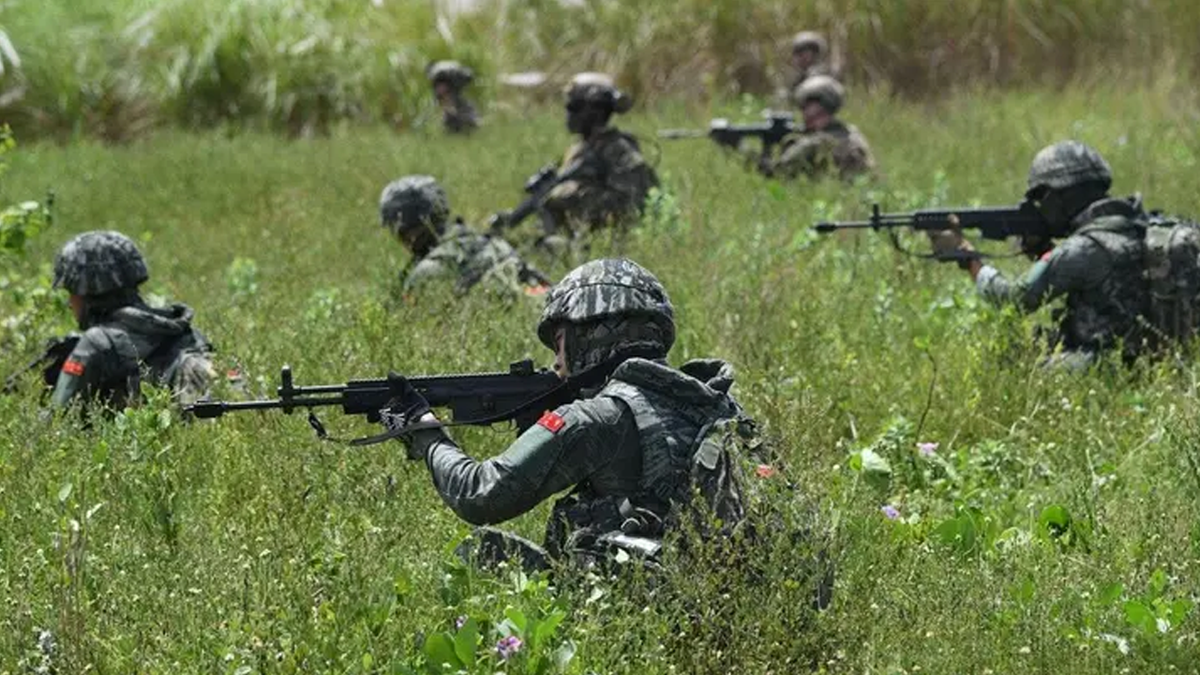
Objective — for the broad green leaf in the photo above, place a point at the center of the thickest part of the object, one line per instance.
(1158, 583)
(1110, 593)
(517, 617)
(1055, 520)
(547, 627)
(872, 462)
(562, 656)
(64, 492)
(439, 651)
(466, 641)
(1179, 610)
(1139, 616)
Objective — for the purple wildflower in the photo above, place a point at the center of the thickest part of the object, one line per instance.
(508, 646)
(891, 512)
(460, 622)
(927, 449)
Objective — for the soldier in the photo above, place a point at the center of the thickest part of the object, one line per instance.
(449, 79)
(809, 58)
(1098, 266)
(415, 209)
(624, 445)
(607, 179)
(827, 144)
(124, 340)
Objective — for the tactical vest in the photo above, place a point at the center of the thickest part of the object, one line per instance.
(180, 362)
(669, 429)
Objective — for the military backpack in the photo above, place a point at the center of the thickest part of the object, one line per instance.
(1172, 270)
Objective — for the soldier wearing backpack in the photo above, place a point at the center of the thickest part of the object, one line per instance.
(1099, 267)
(124, 340)
(632, 449)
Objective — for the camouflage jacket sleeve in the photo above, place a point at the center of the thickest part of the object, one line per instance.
(629, 176)
(104, 363)
(563, 449)
(1076, 263)
(799, 155)
(425, 272)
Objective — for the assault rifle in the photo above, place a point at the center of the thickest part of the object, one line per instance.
(537, 187)
(778, 125)
(995, 223)
(51, 361)
(521, 395)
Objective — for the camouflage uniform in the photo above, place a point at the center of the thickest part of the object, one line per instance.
(610, 184)
(821, 66)
(459, 255)
(458, 115)
(469, 258)
(815, 41)
(124, 341)
(838, 147)
(621, 447)
(609, 176)
(1099, 267)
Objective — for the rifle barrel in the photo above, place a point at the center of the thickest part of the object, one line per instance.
(210, 409)
(682, 133)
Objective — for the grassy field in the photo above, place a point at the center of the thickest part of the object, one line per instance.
(1053, 529)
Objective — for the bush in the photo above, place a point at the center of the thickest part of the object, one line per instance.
(116, 69)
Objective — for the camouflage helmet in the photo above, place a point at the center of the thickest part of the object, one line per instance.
(99, 262)
(808, 39)
(607, 288)
(824, 90)
(597, 88)
(1067, 164)
(452, 73)
(412, 202)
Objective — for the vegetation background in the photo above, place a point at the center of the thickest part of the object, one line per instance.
(1052, 528)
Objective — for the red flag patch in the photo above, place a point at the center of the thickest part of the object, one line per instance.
(551, 421)
(764, 471)
(73, 367)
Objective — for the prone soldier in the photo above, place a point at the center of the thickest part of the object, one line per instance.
(416, 210)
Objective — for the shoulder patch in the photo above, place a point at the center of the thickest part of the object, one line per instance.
(73, 367)
(551, 421)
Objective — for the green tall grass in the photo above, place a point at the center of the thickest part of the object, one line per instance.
(1054, 528)
(116, 69)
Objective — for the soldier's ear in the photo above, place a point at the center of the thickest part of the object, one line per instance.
(622, 103)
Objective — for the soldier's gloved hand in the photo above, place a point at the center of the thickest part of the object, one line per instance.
(405, 407)
(950, 245)
(498, 221)
(1036, 245)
